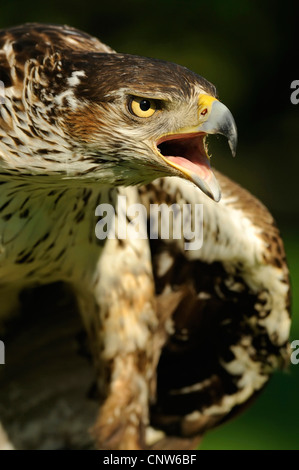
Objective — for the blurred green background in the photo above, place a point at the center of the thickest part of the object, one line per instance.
(248, 50)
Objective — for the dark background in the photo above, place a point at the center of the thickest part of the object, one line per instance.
(249, 50)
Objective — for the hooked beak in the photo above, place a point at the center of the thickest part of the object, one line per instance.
(186, 151)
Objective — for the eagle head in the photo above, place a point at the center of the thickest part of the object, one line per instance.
(137, 119)
(126, 120)
(113, 119)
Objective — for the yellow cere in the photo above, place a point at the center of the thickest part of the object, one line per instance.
(205, 103)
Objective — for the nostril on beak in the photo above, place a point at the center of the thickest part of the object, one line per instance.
(204, 112)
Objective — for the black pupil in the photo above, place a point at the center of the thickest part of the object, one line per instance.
(145, 105)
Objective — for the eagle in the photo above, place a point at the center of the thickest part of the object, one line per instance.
(181, 339)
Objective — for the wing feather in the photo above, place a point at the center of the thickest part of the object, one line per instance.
(228, 305)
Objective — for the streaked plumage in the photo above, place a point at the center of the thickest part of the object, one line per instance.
(180, 339)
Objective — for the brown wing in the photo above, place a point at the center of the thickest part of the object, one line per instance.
(225, 308)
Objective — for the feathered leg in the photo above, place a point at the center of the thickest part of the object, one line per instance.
(122, 322)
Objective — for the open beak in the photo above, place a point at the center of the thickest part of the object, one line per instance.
(186, 151)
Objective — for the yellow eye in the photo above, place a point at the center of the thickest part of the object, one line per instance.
(142, 107)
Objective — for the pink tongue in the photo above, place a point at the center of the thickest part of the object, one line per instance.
(201, 168)
(201, 175)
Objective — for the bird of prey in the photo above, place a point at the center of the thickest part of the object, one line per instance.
(181, 339)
